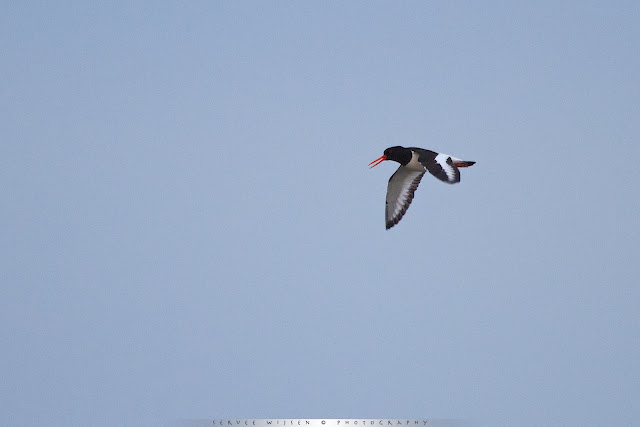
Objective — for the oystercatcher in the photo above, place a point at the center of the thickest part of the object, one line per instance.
(414, 162)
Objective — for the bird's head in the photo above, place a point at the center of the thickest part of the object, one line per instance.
(397, 154)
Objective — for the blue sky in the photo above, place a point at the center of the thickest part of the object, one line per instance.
(191, 231)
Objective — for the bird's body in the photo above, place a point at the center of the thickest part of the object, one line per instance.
(414, 162)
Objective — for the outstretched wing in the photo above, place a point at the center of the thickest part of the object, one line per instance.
(443, 168)
(402, 185)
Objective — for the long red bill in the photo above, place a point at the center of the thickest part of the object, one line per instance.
(377, 161)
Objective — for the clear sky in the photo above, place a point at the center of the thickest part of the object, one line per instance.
(189, 228)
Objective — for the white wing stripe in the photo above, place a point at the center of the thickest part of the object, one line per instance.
(448, 169)
(402, 186)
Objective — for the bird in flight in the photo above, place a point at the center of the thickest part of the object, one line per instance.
(414, 162)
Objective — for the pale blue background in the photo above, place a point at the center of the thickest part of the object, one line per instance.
(190, 229)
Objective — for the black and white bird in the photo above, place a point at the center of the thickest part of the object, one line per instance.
(414, 162)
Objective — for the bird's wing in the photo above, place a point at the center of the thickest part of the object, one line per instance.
(402, 185)
(442, 167)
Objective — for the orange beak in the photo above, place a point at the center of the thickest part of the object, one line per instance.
(377, 161)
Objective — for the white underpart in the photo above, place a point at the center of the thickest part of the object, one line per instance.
(414, 164)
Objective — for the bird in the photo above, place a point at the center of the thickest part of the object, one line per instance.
(414, 162)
